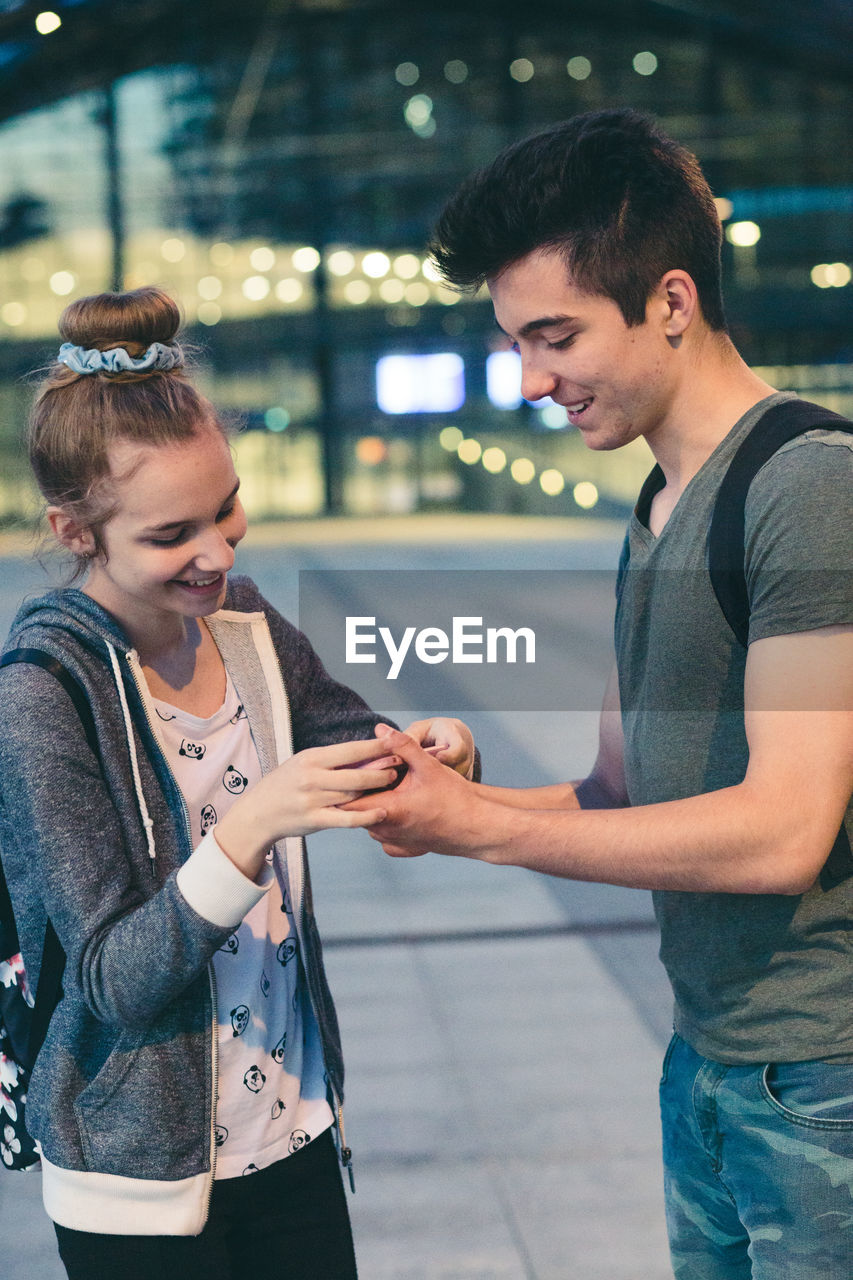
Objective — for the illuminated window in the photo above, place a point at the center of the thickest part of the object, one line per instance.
(579, 68)
(552, 482)
(256, 288)
(263, 258)
(450, 439)
(277, 418)
(503, 379)
(289, 290)
(209, 287)
(173, 249)
(341, 262)
(522, 471)
(47, 22)
(13, 313)
(62, 282)
(306, 259)
(645, 63)
(585, 494)
(494, 460)
(418, 114)
(522, 70)
(420, 383)
(831, 275)
(469, 451)
(392, 290)
(356, 292)
(407, 266)
(743, 234)
(456, 71)
(221, 254)
(376, 265)
(407, 73)
(416, 294)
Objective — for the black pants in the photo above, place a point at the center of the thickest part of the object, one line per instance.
(289, 1220)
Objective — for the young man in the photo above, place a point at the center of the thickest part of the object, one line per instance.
(724, 775)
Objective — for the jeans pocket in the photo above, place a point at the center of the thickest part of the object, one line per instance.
(814, 1095)
(670, 1049)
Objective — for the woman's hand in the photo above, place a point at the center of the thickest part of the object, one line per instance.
(303, 795)
(449, 740)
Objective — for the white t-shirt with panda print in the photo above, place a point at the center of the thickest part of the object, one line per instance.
(272, 1092)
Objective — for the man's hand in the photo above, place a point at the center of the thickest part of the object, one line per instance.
(429, 810)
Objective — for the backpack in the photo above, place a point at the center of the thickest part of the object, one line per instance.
(24, 1018)
(726, 549)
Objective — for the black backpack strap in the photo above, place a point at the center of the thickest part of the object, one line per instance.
(652, 485)
(71, 685)
(726, 549)
(53, 957)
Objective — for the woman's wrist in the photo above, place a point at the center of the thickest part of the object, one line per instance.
(239, 841)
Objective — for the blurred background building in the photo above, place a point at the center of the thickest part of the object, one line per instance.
(278, 165)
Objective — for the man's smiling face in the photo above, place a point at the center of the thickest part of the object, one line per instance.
(614, 380)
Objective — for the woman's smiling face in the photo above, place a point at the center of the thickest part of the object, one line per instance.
(170, 543)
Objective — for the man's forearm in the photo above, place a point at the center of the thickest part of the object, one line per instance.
(586, 793)
(561, 795)
(728, 841)
(769, 834)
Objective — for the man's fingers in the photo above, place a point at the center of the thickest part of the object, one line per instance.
(401, 851)
(400, 744)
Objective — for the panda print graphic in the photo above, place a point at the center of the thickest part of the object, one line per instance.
(271, 1094)
(208, 819)
(234, 781)
(240, 1019)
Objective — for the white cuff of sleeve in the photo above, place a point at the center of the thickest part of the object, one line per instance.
(216, 889)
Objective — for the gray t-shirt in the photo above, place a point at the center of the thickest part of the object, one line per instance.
(756, 977)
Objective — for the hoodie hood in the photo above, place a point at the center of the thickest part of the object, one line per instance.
(67, 611)
(58, 623)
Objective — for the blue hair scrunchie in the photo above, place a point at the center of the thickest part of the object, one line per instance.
(117, 360)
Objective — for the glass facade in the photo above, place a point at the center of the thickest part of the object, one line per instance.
(279, 171)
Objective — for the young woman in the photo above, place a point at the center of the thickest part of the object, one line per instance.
(187, 1091)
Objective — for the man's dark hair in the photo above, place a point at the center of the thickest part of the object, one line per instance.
(622, 202)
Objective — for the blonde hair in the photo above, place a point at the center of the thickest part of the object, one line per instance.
(76, 417)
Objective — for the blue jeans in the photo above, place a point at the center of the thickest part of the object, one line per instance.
(758, 1168)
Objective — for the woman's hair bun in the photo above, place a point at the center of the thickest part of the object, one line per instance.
(133, 319)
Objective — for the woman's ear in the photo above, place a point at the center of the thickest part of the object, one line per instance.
(70, 533)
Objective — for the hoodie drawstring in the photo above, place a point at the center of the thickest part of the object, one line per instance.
(147, 820)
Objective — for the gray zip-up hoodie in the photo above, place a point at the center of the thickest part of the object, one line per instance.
(123, 1091)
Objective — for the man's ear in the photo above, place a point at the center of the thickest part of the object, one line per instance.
(70, 533)
(678, 292)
